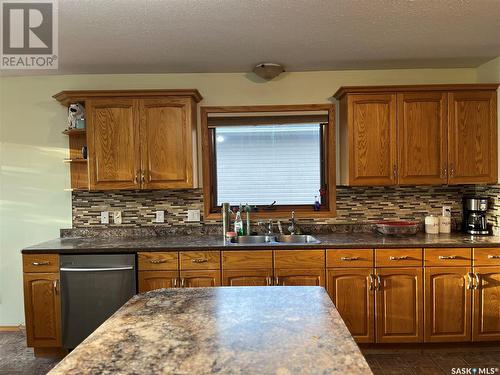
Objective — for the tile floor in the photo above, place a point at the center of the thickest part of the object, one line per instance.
(16, 359)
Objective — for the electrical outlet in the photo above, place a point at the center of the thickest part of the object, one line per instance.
(104, 217)
(160, 217)
(446, 210)
(193, 215)
(117, 217)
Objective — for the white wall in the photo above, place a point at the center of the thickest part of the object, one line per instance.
(33, 203)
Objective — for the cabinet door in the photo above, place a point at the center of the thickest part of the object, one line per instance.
(42, 304)
(422, 138)
(448, 301)
(486, 325)
(399, 305)
(167, 131)
(351, 290)
(304, 277)
(372, 128)
(472, 137)
(113, 144)
(151, 280)
(247, 277)
(200, 279)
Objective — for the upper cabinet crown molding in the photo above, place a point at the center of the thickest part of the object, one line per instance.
(72, 96)
(343, 90)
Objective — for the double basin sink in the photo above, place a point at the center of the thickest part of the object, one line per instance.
(273, 240)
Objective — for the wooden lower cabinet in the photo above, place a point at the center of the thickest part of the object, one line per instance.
(151, 280)
(200, 278)
(486, 302)
(247, 277)
(42, 304)
(448, 304)
(352, 293)
(399, 305)
(302, 277)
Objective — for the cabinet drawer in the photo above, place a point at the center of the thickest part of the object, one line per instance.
(199, 260)
(398, 257)
(454, 257)
(486, 256)
(157, 261)
(349, 258)
(40, 262)
(247, 260)
(299, 259)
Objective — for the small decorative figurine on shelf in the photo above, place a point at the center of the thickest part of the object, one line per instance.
(76, 116)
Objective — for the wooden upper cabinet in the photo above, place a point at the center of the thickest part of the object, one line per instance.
(418, 134)
(472, 137)
(167, 132)
(138, 139)
(422, 138)
(113, 144)
(371, 128)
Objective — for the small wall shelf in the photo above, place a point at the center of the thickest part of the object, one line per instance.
(78, 160)
(75, 132)
(77, 164)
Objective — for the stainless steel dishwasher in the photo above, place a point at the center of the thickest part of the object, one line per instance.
(93, 287)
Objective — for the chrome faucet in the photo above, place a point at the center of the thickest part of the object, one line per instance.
(292, 228)
(268, 226)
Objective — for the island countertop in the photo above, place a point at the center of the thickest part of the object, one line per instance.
(82, 245)
(237, 330)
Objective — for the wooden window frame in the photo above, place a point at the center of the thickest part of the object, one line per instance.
(328, 210)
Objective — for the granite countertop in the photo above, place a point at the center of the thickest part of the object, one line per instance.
(206, 242)
(236, 330)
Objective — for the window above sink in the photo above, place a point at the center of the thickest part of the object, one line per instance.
(275, 158)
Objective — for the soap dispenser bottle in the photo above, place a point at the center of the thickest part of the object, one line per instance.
(238, 224)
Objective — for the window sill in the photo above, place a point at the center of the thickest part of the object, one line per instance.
(280, 214)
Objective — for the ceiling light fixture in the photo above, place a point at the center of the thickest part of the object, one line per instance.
(268, 71)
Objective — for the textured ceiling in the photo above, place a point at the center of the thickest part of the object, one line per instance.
(150, 36)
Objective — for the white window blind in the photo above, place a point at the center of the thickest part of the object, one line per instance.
(262, 164)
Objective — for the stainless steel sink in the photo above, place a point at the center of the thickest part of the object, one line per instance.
(270, 239)
(253, 239)
(297, 238)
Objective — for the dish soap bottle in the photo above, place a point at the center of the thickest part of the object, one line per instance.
(317, 204)
(238, 224)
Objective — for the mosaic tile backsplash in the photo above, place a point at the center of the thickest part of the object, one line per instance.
(354, 205)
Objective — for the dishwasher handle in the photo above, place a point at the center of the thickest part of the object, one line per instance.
(64, 269)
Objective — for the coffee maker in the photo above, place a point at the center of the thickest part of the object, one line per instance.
(475, 215)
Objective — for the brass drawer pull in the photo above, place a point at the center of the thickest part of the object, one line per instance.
(447, 257)
(269, 281)
(174, 282)
(379, 282)
(372, 282)
(404, 257)
(157, 261)
(55, 283)
(347, 259)
(276, 280)
(470, 284)
(478, 281)
(45, 263)
(183, 282)
(493, 256)
(199, 260)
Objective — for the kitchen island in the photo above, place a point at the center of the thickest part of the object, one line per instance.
(238, 330)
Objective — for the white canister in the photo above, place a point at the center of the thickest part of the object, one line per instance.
(444, 224)
(432, 224)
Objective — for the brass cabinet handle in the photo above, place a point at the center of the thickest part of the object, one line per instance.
(55, 285)
(44, 263)
(136, 177)
(379, 282)
(183, 282)
(452, 170)
(199, 260)
(470, 284)
(347, 259)
(447, 257)
(395, 171)
(269, 281)
(174, 282)
(276, 280)
(142, 177)
(444, 171)
(404, 257)
(493, 256)
(372, 282)
(478, 280)
(157, 261)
